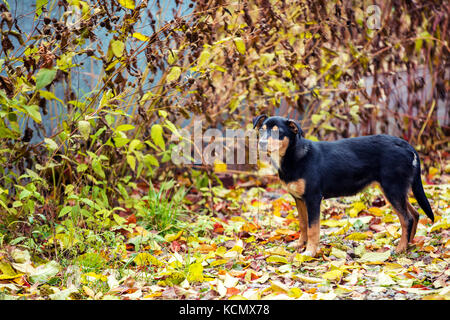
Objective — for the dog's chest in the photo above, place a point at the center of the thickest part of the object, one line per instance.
(295, 188)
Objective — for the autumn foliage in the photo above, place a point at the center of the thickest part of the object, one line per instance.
(91, 91)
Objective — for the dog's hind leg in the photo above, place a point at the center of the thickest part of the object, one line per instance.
(395, 195)
(415, 216)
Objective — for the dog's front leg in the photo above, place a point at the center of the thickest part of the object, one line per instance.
(313, 232)
(303, 223)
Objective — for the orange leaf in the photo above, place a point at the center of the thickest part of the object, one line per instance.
(232, 291)
(131, 219)
(205, 248)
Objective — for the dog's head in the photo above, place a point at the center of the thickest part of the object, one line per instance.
(277, 133)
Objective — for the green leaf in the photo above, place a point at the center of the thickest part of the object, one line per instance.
(150, 160)
(85, 128)
(125, 127)
(64, 211)
(97, 167)
(172, 56)
(33, 112)
(52, 145)
(82, 167)
(338, 253)
(131, 160)
(173, 74)
(44, 77)
(204, 58)
(129, 4)
(45, 272)
(39, 5)
(135, 144)
(157, 136)
(240, 45)
(117, 47)
(49, 96)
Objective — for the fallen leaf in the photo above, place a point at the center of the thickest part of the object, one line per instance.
(277, 259)
(375, 257)
(277, 286)
(45, 272)
(338, 253)
(333, 275)
(230, 281)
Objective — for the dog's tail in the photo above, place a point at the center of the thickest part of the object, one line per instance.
(418, 191)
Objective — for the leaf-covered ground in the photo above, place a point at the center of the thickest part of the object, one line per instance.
(244, 249)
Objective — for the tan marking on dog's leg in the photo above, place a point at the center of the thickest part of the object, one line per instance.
(403, 243)
(264, 127)
(313, 239)
(303, 222)
(274, 128)
(296, 188)
(415, 216)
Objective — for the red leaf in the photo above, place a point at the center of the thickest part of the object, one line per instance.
(218, 228)
(175, 246)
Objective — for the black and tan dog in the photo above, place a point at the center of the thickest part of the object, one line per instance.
(311, 171)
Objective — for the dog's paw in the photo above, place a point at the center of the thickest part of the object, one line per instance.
(309, 253)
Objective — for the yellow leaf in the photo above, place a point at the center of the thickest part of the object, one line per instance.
(173, 74)
(358, 236)
(357, 207)
(302, 258)
(172, 237)
(221, 251)
(218, 262)
(145, 259)
(219, 166)
(277, 259)
(375, 257)
(95, 276)
(281, 251)
(333, 275)
(8, 272)
(277, 286)
(240, 45)
(332, 223)
(376, 211)
(195, 272)
(140, 36)
(295, 292)
(129, 4)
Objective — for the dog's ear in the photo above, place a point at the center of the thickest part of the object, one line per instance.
(257, 121)
(295, 127)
